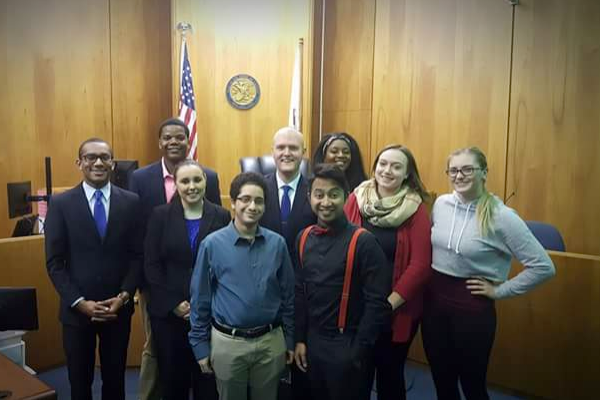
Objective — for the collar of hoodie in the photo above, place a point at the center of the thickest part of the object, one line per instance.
(457, 201)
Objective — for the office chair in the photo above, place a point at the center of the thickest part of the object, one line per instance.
(547, 235)
(266, 164)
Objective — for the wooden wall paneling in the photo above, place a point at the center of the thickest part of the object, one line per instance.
(57, 93)
(348, 70)
(24, 265)
(441, 82)
(5, 225)
(140, 43)
(230, 37)
(553, 163)
(547, 340)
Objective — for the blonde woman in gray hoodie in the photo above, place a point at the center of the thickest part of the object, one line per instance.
(474, 238)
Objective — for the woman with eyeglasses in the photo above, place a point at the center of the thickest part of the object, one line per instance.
(391, 206)
(341, 149)
(474, 238)
(175, 231)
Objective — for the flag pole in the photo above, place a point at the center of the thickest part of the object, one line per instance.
(187, 103)
(295, 114)
(183, 28)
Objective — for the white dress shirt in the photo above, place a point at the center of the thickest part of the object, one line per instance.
(292, 192)
(89, 195)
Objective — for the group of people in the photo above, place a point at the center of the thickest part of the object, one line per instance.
(331, 274)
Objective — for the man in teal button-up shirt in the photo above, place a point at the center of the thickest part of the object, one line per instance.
(243, 285)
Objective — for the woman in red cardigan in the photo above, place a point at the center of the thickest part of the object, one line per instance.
(390, 206)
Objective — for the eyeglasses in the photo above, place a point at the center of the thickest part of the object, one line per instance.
(92, 158)
(465, 171)
(259, 201)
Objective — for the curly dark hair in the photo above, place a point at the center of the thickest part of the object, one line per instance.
(355, 173)
(247, 178)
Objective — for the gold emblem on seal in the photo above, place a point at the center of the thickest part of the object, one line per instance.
(243, 92)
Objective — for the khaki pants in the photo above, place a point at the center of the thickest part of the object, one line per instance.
(239, 363)
(149, 387)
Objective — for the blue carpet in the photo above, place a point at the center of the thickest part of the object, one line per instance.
(418, 382)
(59, 380)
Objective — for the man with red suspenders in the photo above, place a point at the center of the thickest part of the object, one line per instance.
(342, 282)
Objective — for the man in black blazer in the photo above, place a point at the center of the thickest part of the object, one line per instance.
(155, 186)
(288, 211)
(93, 257)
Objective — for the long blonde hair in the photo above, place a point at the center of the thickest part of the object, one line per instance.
(487, 202)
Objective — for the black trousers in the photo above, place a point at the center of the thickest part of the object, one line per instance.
(331, 371)
(458, 342)
(389, 359)
(300, 384)
(178, 370)
(79, 343)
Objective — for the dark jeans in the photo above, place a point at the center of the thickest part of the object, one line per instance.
(177, 366)
(79, 343)
(458, 342)
(389, 359)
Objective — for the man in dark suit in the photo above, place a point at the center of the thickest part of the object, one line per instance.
(155, 185)
(93, 257)
(288, 208)
(288, 211)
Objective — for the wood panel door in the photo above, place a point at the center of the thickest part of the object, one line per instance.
(554, 137)
(441, 82)
(348, 70)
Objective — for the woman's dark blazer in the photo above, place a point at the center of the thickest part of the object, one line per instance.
(168, 257)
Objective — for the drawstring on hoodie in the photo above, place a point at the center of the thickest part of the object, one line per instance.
(452, 230)
(462, 230)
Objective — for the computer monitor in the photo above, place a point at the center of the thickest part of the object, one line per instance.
(18, 204)
(122, 172)
(18, 309)
(25, 226)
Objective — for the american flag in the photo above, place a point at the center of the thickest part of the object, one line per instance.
(187, 100)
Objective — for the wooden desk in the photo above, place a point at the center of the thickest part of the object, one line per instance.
(22, 385)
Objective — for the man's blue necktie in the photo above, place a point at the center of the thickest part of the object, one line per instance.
(286, 205)
(99, 213)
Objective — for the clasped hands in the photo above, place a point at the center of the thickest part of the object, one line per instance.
(101, 311)
(183, 310)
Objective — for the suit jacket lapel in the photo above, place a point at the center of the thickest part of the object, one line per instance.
(114, 211)
(208, 215)
(179, 228)
(274, 200)
(299, 198)
(158, 183)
